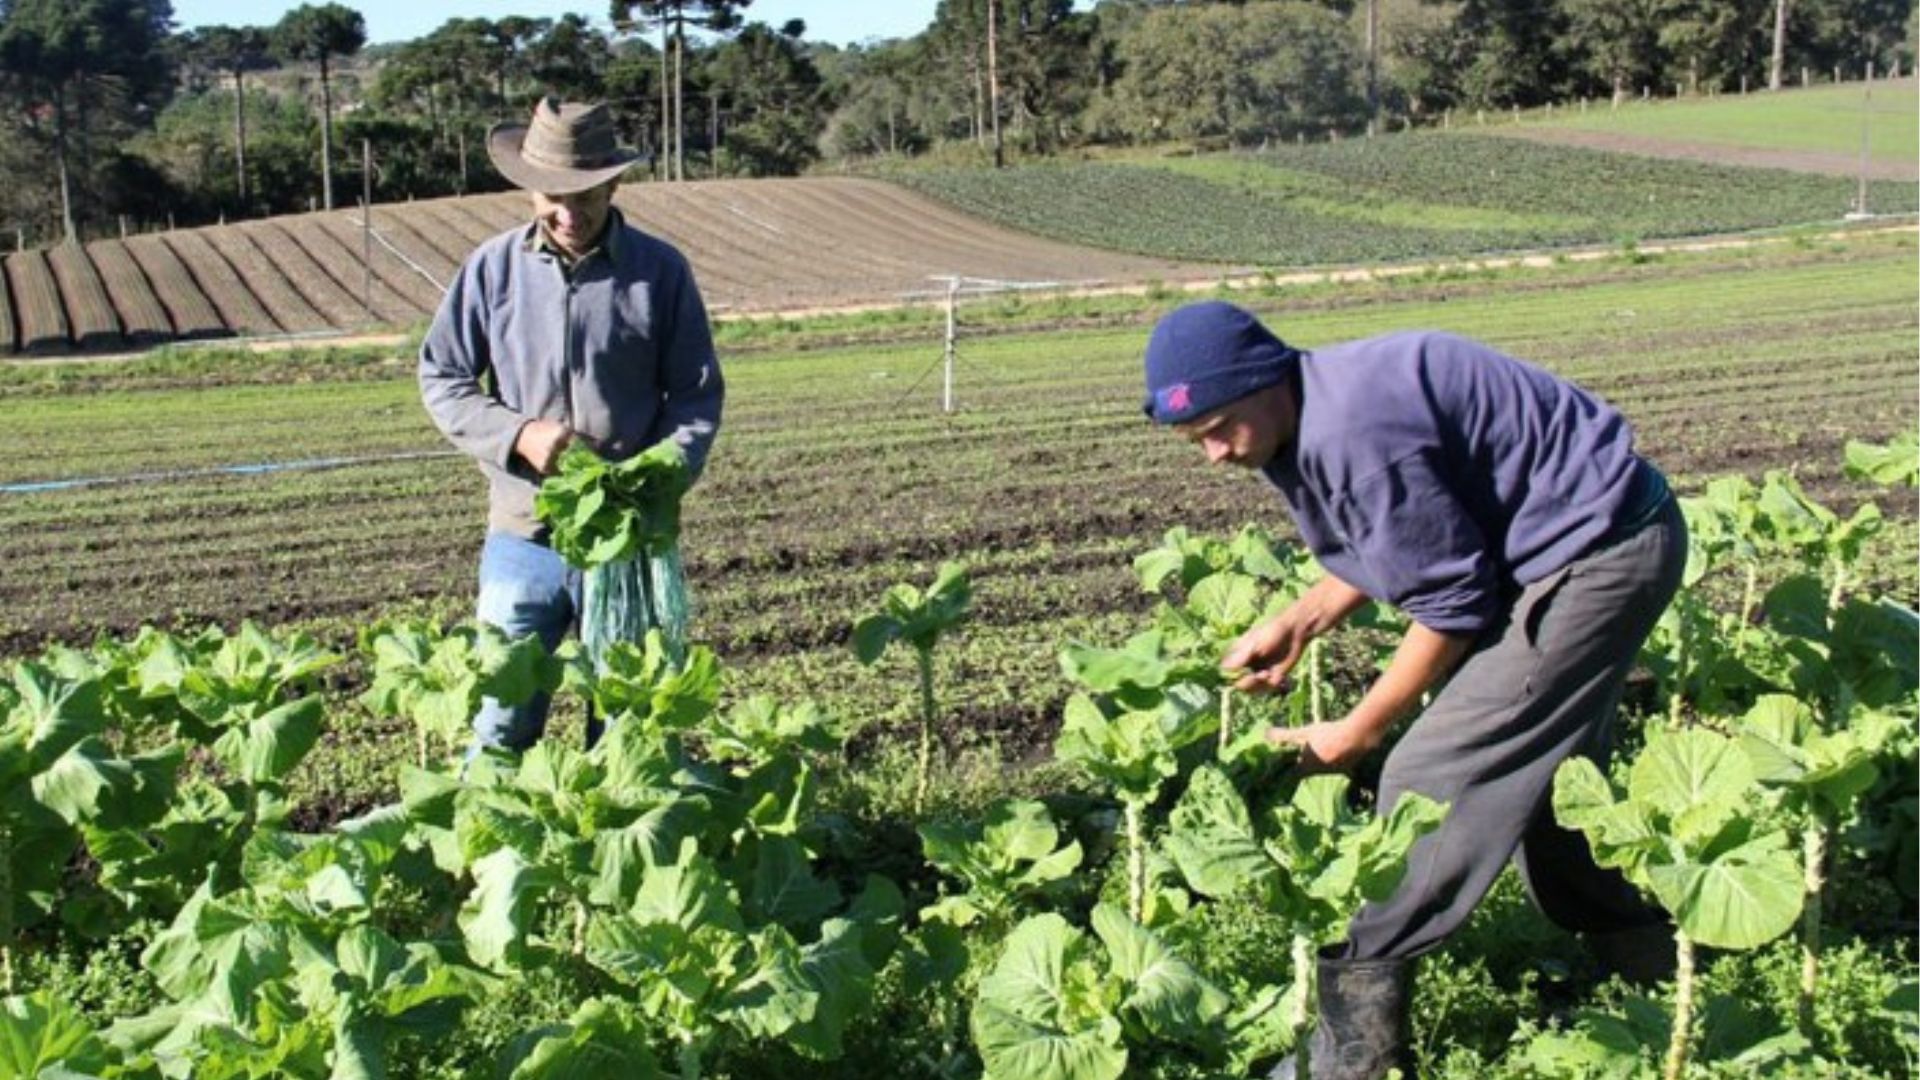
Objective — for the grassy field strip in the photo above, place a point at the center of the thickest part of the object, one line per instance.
(1826, 119)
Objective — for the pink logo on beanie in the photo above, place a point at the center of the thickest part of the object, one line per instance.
(1179, 396)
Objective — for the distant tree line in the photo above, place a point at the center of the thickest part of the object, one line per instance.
(110, 112)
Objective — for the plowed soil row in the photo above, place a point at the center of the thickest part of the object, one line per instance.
(757, 245)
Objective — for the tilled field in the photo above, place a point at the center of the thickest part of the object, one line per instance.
(759, 245)
(837, 475)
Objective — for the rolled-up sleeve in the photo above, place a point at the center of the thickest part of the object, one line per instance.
(692, 391)
(453, 359)
(1420, 547)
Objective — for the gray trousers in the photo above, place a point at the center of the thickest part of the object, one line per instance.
(1543, 683)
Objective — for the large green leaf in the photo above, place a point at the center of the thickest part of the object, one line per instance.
(1043, 1013)
(602, 1039)
(266, 748)
(1583, 799)
(837, 969)
(217, 956)
(1696, 779)
(1739, 899)
(1172, 1000)
(1230, 604)
(52, 713)
(43, 1037)
(498, 914)
(87, 785)
(1211, 838)
(783, 887)
(776, 996)
(1016, 1048)
(688, 894)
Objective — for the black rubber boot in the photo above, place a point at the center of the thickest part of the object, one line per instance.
(1364, 1029)
(1644, 955)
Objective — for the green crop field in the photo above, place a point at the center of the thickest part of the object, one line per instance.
(1824, 119)
(245, 854)
(1406, 196)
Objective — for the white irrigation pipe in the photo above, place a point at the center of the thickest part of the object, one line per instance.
(257, 469)
(397, 253)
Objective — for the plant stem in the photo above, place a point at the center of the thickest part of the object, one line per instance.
(1226, 717)
(1314, 709)
(579, 927)
(1136, 865)
(1308, 979)
(1680, 670)
(1833, 596)
(1816, 881)
(926, 730)
(1676, 1064)
(420, 743)
(1746, 609)
(6, 907)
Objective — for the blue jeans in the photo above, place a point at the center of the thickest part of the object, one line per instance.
(525, 588)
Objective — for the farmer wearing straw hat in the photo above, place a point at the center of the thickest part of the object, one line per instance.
(1505, 511)
(575, 326)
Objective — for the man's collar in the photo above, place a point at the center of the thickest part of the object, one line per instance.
(536, 241)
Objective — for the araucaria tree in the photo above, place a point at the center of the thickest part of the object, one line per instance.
(318, 33)
(234, 51)
(73, 70)
(673, 17)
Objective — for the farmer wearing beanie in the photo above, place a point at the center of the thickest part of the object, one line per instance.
(1505, 512)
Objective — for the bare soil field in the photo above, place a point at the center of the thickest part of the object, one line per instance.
(760, 245)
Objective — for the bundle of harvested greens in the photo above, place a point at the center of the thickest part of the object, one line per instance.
(619, 522)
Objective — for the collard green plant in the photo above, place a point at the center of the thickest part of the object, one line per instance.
(1134, 751)
(1686, 830)
(1894, 463)
(761, 729)
(604, 1037)
(1312, 858)
(646, 684)
(921, 619)
(437, 679)
(60, 781)
(1010, 856)
(1059, 1007)
(1820, 775)
(702, 966)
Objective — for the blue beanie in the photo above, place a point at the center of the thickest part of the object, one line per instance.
(1207, 355)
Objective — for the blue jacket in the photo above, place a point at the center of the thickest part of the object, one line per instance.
(1440, 475)
(618, 349)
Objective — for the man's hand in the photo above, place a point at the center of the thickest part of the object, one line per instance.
(1269, 650)
(540, 442)
(1332, 747)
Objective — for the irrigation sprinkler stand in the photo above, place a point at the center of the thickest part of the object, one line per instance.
(366, 225)
(955, 285)
(1860, 212)
(946, 390)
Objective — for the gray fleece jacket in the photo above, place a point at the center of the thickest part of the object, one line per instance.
(618, 349)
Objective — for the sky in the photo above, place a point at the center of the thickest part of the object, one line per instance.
(839, 22)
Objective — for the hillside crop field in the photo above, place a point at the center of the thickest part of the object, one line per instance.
(1392, 198)
(246, 853)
